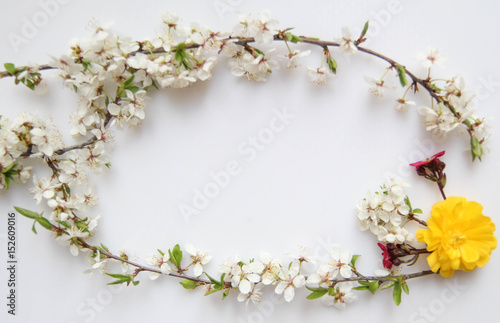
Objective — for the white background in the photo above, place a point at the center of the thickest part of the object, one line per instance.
(300, 190)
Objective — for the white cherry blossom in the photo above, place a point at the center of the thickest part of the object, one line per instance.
(293, 58)
(199, 257)
(343, 294)
(319, 75)
(46, 140)
(255, 295)
(44, 188)
(160, 262)
(340, 262)
(377, 86)
(346, 43)
(290, 279)
(246, 276)
(431, 58)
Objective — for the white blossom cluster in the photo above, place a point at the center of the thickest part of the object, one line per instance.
(112, 76)
(27, 134)
(246, 60)
(35, 138)
(383, 213)
(250, 278)
(440, 120)
(456, 111)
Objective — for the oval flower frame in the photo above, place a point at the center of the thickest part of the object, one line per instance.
(112, 76)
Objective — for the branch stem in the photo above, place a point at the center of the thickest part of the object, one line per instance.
(425, 83)
(358, 277)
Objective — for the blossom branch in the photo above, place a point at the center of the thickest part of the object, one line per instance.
(425, 83)
(90, 68)
(140, 267)
(387, 278)
(413, 217)
(359, 277)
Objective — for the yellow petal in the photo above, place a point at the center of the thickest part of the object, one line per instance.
(468, 253)
(433, 261)
(459, 236)
(447, 273)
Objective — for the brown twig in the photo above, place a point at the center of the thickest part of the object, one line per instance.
(425, 83)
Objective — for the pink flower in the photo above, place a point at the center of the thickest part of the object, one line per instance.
(387, 257)
(428, 160)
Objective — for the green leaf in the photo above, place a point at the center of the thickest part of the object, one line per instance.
(354, 259)
(30, 85)
(81, 225)
(64, 224)
(317, 294)
(9, 168)
(182, 56)
(10, 68)
(443, 181)
(121, 279)
(476, 148)
(11, 178)
(316, 289)
(407, 201)
(188, 284)
(225, 293)
(135, 283)
(293, 38)
(402, 75)
(388, 285)
(365, 29)
(176, 255)
(33, 228)
(121, 93)
(214, 290)
(180, 47)
(418, 211)
(86, 64)
(332, 65)
(128, 82)
(406, 289)
(259, 51)
(364, 282)
(7, 182)
(104, 248)
(435, 87)
(331, 291)
(27, 213)
(45, 223)
(373, 286)
(119, 276)
(133, 89)
(214, 281)
(396, 294)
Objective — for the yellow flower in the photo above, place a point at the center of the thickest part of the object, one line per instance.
(459, 237)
